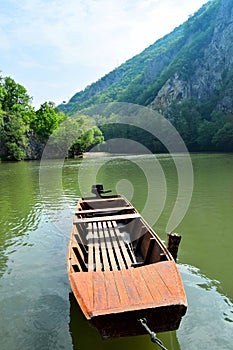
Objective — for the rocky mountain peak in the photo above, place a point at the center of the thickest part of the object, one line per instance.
(210, 69)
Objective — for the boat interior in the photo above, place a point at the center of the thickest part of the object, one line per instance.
(108, 234)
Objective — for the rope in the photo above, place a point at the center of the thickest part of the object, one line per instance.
(153, 337)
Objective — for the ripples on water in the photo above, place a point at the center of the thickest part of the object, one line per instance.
(209, 320)
(37, 310)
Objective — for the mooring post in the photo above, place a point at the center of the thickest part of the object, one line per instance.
(173, 241)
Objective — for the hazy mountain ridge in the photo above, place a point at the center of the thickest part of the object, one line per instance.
(141, 78)
(212, 71)
(187, 76)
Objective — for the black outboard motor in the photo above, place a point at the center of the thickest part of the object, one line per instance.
(98, 190)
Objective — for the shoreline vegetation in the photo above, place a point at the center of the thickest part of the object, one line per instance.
(25, 132)
(183, 76)
(100, 154)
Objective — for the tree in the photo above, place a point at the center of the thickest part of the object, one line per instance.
(206, 131)
(46, 120)
(73, 136)
(61, 142)
(185, 117)
(223, 138)
(13, 96)
(15, 116)
(14, 137)
(89, 139)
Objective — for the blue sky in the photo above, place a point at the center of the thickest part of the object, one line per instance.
(55, 48)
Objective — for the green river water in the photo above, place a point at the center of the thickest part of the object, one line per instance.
(37, 308)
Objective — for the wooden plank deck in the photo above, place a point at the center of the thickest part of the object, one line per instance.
(119, 247)
(107, 250)
(91, 266)
(117, 282)
(102, 246)
(109, 246)
(133, 289)
(126, 244)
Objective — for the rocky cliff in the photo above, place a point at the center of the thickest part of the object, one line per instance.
(194, 61)
(186, 75)
(212, 72)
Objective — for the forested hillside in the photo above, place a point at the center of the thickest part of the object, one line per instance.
(187, 76)
(25, 131)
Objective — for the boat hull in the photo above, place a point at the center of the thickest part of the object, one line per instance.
(115, 301)
(117, 282)
(125, 324)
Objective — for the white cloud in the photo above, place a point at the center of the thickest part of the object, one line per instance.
(80, 40)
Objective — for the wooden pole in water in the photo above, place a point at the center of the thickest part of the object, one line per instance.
(173, 241)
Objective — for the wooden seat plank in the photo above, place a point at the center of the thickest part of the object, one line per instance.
(131, 252)
(109, 247)
(91, 266)
(124, 250)
(96, 247)
(102, 210)
(114, 241)
(102, 199)
(128, 245)
(97, 226)
(108, 217)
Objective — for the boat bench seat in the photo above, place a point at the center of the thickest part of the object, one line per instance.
(112, 218)
(108, 248)
(97, 211)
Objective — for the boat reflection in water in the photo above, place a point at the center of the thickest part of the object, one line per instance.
(85, 336)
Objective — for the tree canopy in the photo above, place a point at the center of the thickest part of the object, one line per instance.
(21, 125)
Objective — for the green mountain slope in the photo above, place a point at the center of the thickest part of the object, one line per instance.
(186, 75)
(140, 78)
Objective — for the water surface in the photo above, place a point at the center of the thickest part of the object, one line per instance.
(37, 308)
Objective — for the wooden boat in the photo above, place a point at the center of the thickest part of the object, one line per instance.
(120, 271)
